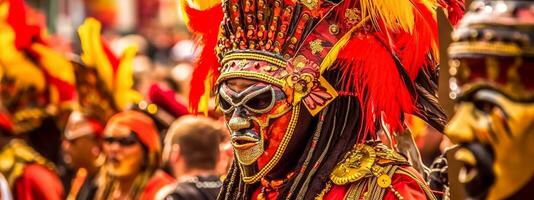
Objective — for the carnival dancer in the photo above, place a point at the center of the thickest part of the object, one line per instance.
(492, 64)
(37, 89)
(307, 85)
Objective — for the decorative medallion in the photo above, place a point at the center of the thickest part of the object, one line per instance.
(352, 16)
(383, 181)
(308, 85)
(356, 165)
(316, 46)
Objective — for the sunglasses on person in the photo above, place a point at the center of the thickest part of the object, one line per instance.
(123, 141)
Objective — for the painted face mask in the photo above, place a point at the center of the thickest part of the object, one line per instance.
(493, 87)
(261, 99)
(258, 117)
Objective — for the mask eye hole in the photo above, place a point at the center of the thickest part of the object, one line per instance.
(224, 104)
(484, 106)
(261, 102)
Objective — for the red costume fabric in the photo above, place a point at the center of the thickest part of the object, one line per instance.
(38, 183)
(158, 181)
(408, 188)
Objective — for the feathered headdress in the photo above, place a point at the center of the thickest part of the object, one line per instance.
(34, 76)
(114, 74)
(386, 50)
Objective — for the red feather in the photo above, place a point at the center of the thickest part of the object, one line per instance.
(455, 9)
(372, 74)
(113, 59)
(25, 34)
(414, 49)
(204, 24)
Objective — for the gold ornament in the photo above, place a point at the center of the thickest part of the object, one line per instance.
(356, 165)
(384, 181)
(316, 46)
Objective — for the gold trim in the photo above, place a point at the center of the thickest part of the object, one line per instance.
(253, 56)
(250, 74)
(519, 95)
(498, 48)
(279, 152)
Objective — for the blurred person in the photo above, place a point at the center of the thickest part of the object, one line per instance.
(36, 93)
(38, 82)
(492, 68)
(82, 152)
(29, 175)
(192, 147)
(132, 148)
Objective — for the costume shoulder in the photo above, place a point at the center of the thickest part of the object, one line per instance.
(375, 172)
(155, 184)
(16, 155)
(38, 182)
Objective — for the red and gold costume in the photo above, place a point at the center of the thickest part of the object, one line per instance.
(306, 87)
(29, 175)
(37, 88)
(491, 67)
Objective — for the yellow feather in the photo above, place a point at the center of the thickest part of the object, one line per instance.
(182, 5)
(4, 10)
(14, 63)
(123, 92)
(395, 14)
(54, 63)
(203, 104)
(197, 5)
(93, 52)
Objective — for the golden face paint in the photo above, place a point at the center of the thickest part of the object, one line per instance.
(489, 117)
